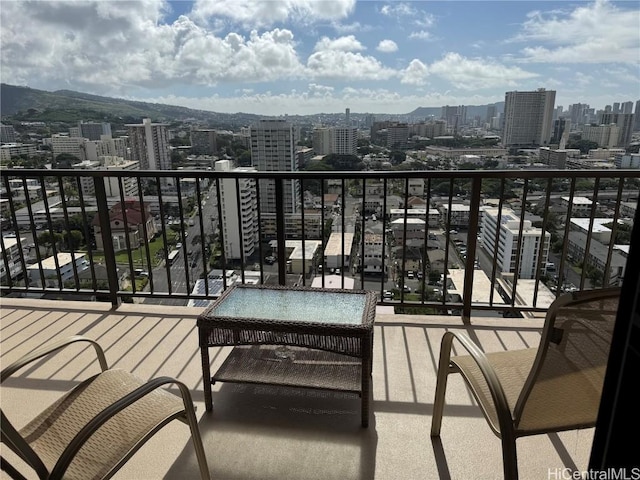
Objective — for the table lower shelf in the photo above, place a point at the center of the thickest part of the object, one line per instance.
(308, 368)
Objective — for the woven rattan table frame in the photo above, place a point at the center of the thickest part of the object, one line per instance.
(328, 356)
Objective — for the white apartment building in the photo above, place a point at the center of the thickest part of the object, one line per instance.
(459, 217)
(528, 118)
(10, 247)
(71, 145)
(373, 254)
(322, 140)
(10, 150)
(334, 249)
(604, 135)
(149, 143)
(239, 223)
(106, 146)
(273, 150)
(345, 141)
(630, 160)
(62, 265)
(508, 239)
(339, 140)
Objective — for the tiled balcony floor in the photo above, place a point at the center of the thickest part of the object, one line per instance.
(273, 434)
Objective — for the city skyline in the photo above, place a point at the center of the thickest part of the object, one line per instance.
(301, 57)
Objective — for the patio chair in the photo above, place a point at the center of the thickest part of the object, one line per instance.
(93, 430)
(550, 388)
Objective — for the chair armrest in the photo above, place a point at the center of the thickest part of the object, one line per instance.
(51, 348)
(493, 382)
(101, 418)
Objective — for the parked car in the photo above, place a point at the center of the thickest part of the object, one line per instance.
(387, 295)
(270, 259)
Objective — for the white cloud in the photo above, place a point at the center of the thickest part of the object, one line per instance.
(344, 44)
(598, 32)
(469, 74)
(338, 64)
(421, 35)
(387, 46)
(261, 13)
(415, 74)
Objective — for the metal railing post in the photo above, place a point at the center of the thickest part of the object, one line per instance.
(280, 232)
(472, 240)
(107, 240)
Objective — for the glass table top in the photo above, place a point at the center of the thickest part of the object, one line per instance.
(292, 305)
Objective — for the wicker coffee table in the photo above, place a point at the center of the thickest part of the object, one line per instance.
(302, 337)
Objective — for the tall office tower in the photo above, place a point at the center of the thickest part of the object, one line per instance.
(636, 116)
(454, 115)
(239, 226)
(624, 122)
(204, 141)
(557, 113)
(616, 107)
(627, 107)
(149, 143)
(93, 131)
(528, 118)
(509, 238)
(345, 141)
(347, 117)
(577, 113)
(607, 109)
(397, 136)
(560, 125)
(491, 112)
(322, 140)
(273, 150)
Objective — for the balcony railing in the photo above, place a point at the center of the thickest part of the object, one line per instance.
(507, 241)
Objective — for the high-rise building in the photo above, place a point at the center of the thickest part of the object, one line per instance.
(604, 135)
(624, 122)
(560, 125)
(347, 117)
(616, 107)
(273, 150)
(454, 115)
(204, 141)
(509, 238)
(528, 118)
(397, 136)
(627, 107)
(344, 140)
(149, 143)
(322, 140)
(239, 226)
(8, 134)
(491, 112)
(106, 146)
(636, 117)
(93, 130)
(578, 113)
(69, 145)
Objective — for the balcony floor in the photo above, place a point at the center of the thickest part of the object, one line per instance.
(268, 433)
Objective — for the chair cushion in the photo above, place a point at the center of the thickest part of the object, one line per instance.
(51, 431)
(512, 369)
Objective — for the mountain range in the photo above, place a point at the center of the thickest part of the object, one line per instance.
(19, 103)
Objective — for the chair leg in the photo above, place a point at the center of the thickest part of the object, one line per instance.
(509, 456)
(190, 417)
(441, 385)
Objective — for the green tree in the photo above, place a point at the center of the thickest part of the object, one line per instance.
(73, 239)
(48, 240)
(65, 160)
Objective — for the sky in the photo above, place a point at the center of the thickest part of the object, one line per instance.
(276, 57)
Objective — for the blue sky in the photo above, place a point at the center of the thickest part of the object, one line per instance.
(273, 57)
